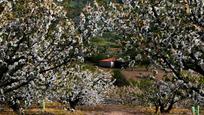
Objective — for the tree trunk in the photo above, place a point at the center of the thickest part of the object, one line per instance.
(162, 108)
(170, 107)
(73, 103)
(166, 109)
(16, 108)
(157, 109)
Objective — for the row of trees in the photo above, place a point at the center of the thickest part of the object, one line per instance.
(39, 44)
(168, 33)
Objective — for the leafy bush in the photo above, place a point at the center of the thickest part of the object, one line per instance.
(120, 79)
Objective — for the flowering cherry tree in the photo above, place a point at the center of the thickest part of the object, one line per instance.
(81, 87)
(36, 41)
(174, 38)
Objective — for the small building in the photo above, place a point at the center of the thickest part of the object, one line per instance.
(109, 62)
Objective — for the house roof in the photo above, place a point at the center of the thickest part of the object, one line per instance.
(108, 59)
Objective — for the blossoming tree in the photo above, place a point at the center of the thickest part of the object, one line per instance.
(36, 41)
(168, 33)
(80, 86)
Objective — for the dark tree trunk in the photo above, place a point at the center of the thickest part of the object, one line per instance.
(16, 108)
(157, 109)
(164, 107)
(73, 103)
(167, 108)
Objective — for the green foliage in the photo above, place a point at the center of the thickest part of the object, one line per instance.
(192, 77)
(89, 67)
(145, 84)
(104, 45)
(103, 2)
(133, 83)
(108, 40)
(74, 7)
(143, 62)
(148, 91)
(100, 42)
(120, 79)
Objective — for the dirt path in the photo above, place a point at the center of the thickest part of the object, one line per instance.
(98, 110)
(127, 110)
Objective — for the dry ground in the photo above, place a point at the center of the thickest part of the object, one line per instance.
(57, 109)
(138, 73)
(141, 73)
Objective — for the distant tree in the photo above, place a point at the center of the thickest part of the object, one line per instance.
(82, 87)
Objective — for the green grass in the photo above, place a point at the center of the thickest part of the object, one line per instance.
(103, 42)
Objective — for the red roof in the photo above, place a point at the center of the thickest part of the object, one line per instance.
(108, 59)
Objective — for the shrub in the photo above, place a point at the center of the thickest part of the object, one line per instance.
(120, 79)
